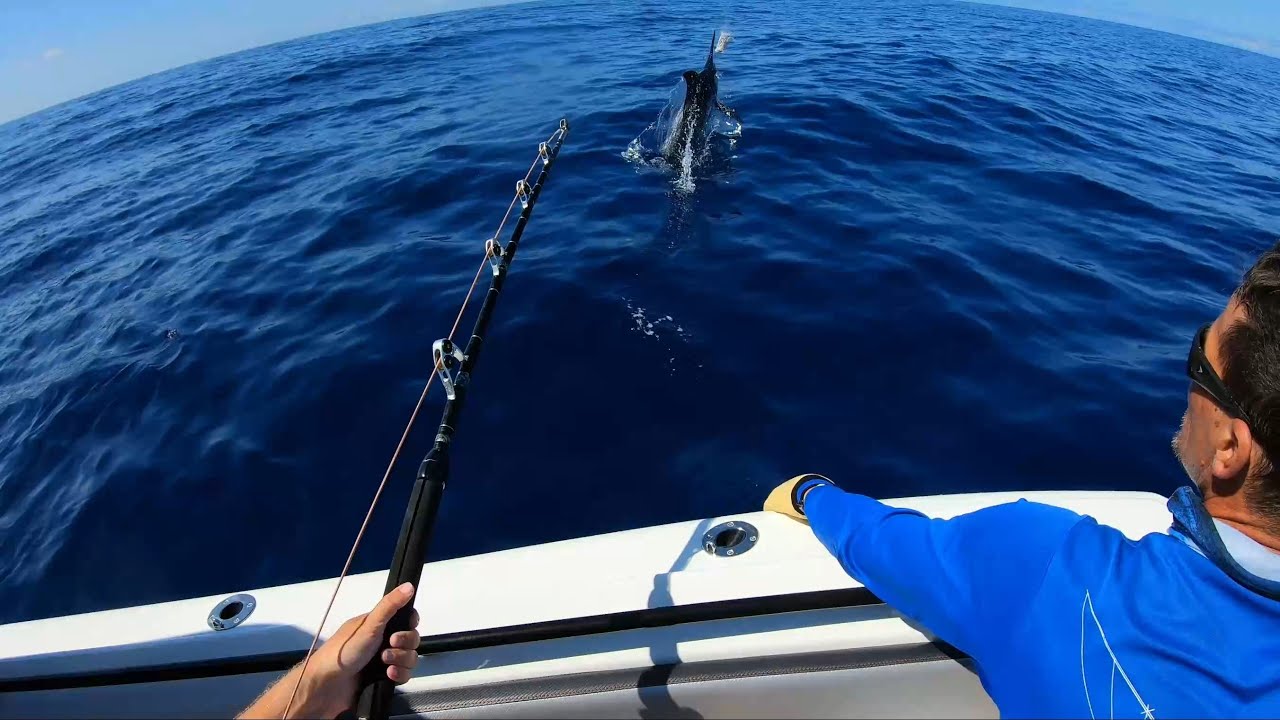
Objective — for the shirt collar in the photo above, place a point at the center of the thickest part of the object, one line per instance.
(1243, 559)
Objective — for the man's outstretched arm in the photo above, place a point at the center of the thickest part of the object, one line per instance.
(957, 577)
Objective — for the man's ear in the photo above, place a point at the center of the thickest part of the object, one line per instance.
(1233, 448)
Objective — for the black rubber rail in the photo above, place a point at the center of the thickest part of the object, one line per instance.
(279, 662)
(648, 618)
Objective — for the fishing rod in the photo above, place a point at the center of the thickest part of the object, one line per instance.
(454, 367)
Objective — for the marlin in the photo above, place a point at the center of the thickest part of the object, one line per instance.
(700, 97)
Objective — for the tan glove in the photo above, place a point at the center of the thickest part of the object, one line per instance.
(783, 499)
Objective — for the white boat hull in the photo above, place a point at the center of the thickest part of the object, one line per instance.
(669, 631)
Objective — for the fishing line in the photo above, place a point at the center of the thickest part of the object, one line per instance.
(494, 257)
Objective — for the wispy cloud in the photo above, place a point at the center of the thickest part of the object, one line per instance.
(1180, 18)
(52, 54)
(1254, 44)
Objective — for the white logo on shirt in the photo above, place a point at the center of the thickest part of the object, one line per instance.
(1087, 612)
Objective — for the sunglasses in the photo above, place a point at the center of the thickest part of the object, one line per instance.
(1205, 378)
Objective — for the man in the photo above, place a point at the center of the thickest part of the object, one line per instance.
(1064, 617)
(332, 679)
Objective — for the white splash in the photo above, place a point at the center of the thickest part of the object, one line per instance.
(643, 324)
(684, 182)
(723, 43)
(634, 152)
(725, 126)
(659, 328)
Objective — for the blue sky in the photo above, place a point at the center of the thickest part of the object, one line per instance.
(56, 50)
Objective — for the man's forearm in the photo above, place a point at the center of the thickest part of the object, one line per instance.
(839, 519)
(939, 572)
(314, 698)
(271, 703)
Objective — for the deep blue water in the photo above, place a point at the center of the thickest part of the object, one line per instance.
(956, 248)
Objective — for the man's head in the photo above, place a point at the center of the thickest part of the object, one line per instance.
(1229, 453)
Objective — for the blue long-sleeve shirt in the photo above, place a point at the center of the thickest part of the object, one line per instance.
(1064, 617)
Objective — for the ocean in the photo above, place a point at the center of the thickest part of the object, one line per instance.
(952, 248)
